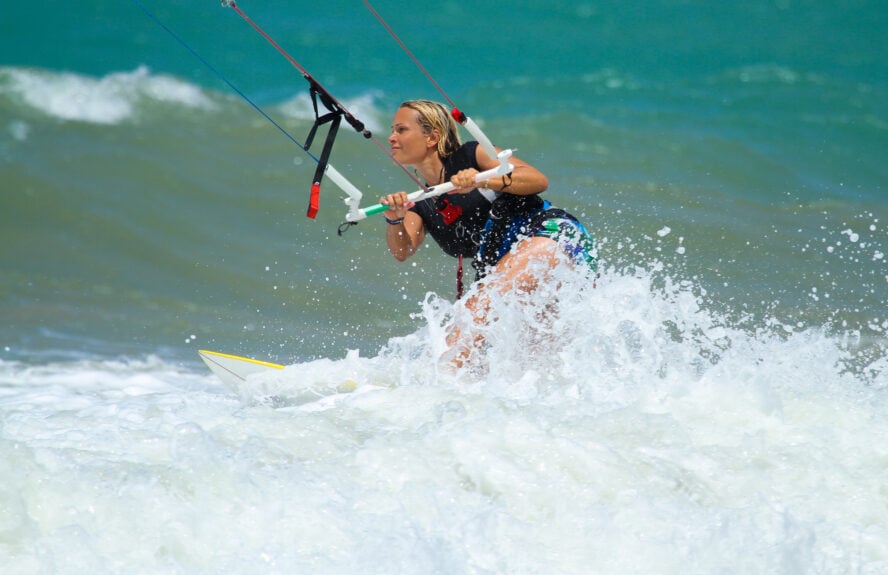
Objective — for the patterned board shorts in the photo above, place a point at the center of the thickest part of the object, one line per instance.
(548, 222)
(573, 238)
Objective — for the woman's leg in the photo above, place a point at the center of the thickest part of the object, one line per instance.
(522, 270)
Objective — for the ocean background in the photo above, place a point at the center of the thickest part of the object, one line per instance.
(716, 404)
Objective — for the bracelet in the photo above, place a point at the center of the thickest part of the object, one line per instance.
(505, 185)
(394, 222)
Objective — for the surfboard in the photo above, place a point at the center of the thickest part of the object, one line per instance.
(233, 370)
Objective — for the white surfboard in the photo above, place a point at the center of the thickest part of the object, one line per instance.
(233, 370)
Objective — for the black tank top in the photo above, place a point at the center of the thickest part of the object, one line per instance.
(456, 221)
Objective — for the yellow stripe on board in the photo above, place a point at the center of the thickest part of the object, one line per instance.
(239, 358)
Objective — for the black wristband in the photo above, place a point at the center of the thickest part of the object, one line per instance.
(394, 222)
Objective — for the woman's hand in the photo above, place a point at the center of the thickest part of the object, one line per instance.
(464, 181)
(398, 205)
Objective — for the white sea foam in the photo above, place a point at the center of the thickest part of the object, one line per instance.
(625, 429)
(111, 99)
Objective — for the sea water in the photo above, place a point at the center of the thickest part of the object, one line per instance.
(716, 403)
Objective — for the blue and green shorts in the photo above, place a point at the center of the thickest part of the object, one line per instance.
(547, 222)
(570, 234)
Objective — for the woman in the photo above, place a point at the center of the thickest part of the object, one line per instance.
(503, 223)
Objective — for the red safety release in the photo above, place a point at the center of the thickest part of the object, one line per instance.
(314, 200)
(458, 116)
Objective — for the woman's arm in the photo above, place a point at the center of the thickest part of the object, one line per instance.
(524, 180)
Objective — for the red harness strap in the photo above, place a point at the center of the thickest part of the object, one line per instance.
(459, 279)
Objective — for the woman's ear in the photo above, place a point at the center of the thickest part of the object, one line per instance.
(432, 138)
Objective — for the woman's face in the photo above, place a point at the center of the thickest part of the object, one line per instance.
(408, 143)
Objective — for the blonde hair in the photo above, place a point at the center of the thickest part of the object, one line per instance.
(434, 116)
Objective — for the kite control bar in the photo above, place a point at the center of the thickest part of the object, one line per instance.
(356, 213)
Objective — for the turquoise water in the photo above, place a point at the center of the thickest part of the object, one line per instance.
(730, 159)
(135, 179)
